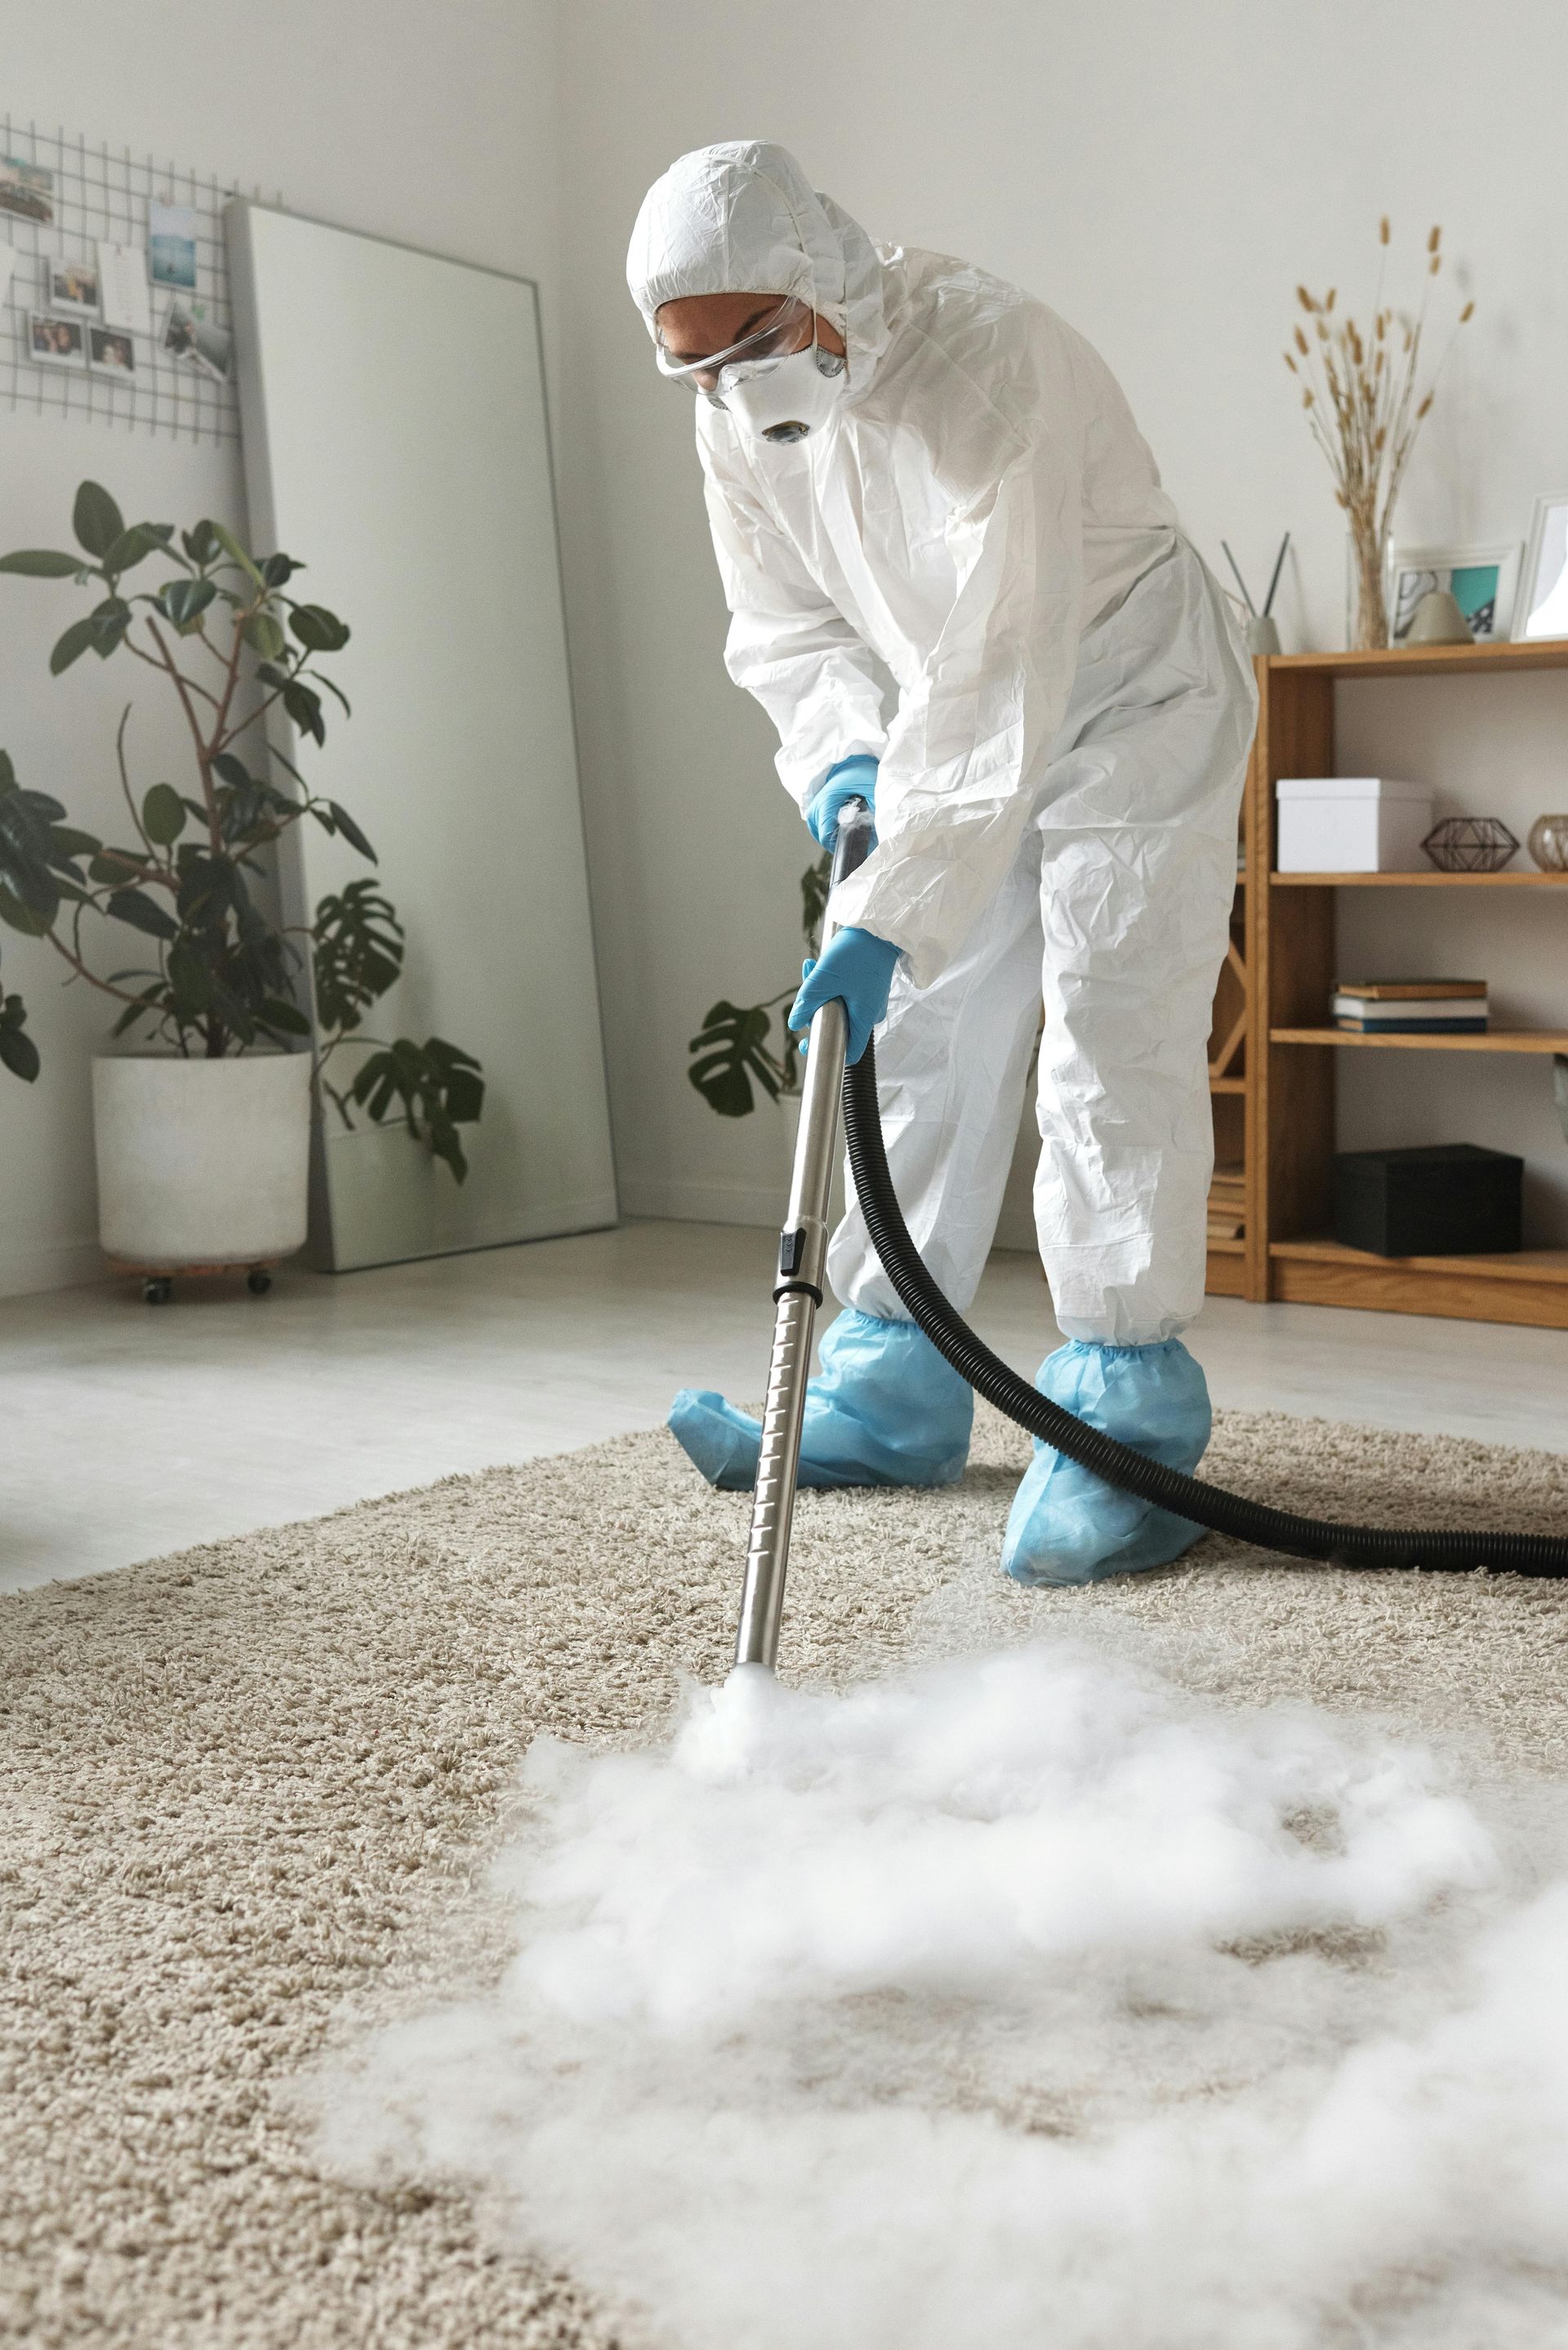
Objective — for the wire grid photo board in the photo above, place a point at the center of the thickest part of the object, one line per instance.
(60, 198)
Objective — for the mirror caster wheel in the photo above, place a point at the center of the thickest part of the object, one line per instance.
(157, 1289)
(258, 1281)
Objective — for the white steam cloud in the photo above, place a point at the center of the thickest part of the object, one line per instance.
(1026, 2001)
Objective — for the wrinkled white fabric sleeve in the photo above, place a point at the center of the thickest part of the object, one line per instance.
(787, 645)
(953, 794)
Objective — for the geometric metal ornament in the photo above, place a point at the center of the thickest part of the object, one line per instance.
(1470, 844)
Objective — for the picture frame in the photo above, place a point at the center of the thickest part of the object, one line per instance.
(1483, 581)
(189, 334)
(111, 352)
(27, 191)
(54, 342)
(172, 245)
(75, 285)
(1541, 608)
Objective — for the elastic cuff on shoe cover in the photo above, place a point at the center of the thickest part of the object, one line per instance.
(720, 1441)
(1067, 1526)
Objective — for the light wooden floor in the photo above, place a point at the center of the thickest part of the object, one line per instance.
(131, 1430)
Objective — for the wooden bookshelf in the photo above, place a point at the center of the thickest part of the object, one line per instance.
(1274, 1092)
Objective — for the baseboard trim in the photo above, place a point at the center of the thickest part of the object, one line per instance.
(28, 1271)
(703, 1204)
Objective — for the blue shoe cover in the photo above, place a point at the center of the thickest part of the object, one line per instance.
(1067, 1526)
(887, 1409)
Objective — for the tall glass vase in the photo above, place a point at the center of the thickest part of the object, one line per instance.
(1366, 613)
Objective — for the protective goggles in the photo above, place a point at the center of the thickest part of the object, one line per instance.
(791, 328)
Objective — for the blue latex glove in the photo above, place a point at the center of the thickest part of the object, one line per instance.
(852, 779)
(858, 968)
(1069, 1526)
(886, 1410)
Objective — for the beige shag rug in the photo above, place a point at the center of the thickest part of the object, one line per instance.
(242, 1784)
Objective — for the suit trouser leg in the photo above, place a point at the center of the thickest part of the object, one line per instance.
(953, 1062)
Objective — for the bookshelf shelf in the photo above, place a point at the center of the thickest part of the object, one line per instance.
(1496, 1040)
(1433, 880)
(1274, 1101)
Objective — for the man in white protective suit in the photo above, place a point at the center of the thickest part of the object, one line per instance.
(914, 468)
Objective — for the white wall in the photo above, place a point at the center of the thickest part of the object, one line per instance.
(1162, 171)
(417, 120)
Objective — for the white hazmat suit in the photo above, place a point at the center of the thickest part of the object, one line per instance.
(1060, 770)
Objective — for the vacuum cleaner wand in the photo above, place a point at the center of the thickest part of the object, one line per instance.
(803, 1260)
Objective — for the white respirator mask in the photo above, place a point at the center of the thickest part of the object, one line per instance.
(775, 394)
(785, 400)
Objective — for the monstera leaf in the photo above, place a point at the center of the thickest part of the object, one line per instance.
(732, 1051)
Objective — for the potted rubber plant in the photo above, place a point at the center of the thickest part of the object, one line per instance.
(201, 1120)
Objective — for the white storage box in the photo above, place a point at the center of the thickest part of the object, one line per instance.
(1353, 823)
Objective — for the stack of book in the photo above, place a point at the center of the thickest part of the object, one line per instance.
(1411, 1007)
(1227, 1202)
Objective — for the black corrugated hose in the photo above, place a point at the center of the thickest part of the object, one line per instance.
(1120, 1464)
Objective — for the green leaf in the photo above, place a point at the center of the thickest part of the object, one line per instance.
(206, 890)
(66, 841)
(286, 1018)
(263, 631)
(110, 623)
(436, 1084)
(8, 773)
(277, 570)
(815, 884)
(163, 815)
(17, 1052)
(233, 549)
(190, 981)
(183, 601)
(133, 547)
(200, 544)
(40, 563)
(230, 770)
(732, 1051)
(304, 707)
(317, 630)
(115, 864)
(97, 520)
(152, 998)
(351, 832)
(143, 912)
(358, 952)
(72, 645)
(31, 920)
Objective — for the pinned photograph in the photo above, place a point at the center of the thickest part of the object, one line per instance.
(189, 334)
(122, 279)
(110, 351)
(26, 190)
(1543, 597)
(172, 245)
(1482, 581)
(74, 285)
(55, 342)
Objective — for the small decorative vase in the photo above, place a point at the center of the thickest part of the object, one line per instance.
(1470, 844)
(1262, 636)
(1368, 614)
(1549, 843)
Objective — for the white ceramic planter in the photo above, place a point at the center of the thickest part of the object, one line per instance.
(202, 1162)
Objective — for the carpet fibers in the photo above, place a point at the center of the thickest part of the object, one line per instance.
(244, 1787)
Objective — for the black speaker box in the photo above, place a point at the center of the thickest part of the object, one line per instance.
(1448, 1199)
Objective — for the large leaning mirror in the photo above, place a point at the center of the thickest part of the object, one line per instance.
(395, 435)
